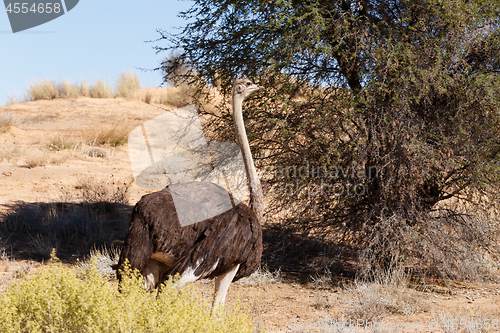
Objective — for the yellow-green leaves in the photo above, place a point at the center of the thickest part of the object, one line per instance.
(59, 300)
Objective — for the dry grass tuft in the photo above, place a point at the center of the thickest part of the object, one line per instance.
(93, 190)
(17, 270)
(110, 135)
(13, 99)
(44, 244)
(389, 294)
(323, 281)
(9, 152)
(41, 158)
(148, 96)
(99, 89)
(84, 89)
(177, 96)
(22, 270)
(7, 120)
(128, 84)
(43, 89)
(58, 159)
(61, 143)
(5, 261)
(37, 159)
(114, 135)
(67, 90)
(261, 277)
(103, 258)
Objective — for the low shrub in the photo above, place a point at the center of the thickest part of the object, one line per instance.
(59, 300)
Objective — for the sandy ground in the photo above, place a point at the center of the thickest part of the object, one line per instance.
(283, 306)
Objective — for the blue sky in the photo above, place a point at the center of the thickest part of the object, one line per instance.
(96, 39)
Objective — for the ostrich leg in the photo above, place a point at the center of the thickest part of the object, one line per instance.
(222, 283)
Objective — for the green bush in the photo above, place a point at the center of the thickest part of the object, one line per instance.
(377, 132)
(58, 300)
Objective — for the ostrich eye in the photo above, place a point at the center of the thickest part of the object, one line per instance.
(248, 83)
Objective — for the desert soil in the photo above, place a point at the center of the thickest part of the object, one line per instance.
(285, 306)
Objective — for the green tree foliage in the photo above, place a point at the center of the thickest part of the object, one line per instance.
(393, 104)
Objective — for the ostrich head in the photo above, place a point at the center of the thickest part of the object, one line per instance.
(243, 88)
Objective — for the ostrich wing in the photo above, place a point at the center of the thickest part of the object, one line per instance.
(210, 247)
(231, 238)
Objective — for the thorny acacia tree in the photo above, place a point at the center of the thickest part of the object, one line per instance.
(390, 110)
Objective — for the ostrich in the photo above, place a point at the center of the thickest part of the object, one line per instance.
(226, 247)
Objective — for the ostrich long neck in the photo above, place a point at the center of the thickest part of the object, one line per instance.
(256, 197)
